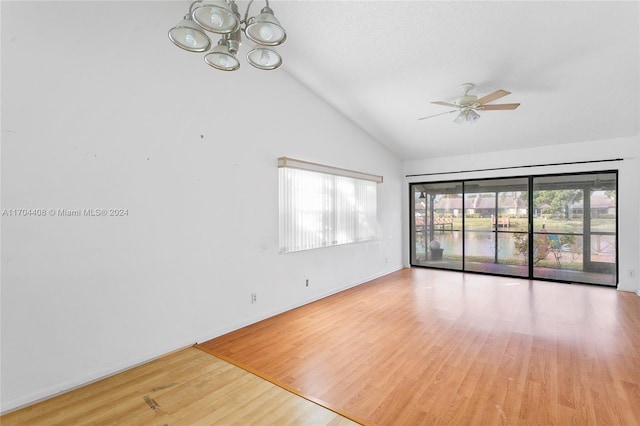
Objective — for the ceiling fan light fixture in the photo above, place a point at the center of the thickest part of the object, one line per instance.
(467, 116)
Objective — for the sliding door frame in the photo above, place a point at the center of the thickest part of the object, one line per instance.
(530, 232)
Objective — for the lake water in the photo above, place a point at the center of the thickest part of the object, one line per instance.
(476, 244)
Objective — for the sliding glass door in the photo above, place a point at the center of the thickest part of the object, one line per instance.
(555, 227)
(574, 228)
(436, 225)
(496, 226)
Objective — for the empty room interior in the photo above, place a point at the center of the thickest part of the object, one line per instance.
(320, 212)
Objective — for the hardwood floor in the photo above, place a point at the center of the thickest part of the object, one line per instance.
(424, 346)
(189, 387)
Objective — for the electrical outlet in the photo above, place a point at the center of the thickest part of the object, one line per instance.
(254, 298)
(631, 273)
(307, 283)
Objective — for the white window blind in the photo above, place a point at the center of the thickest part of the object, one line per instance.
(322, 206)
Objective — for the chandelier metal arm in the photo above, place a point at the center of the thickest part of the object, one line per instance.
(246, 13)
(191, 7)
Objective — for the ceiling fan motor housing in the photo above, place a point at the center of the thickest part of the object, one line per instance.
(466, 100)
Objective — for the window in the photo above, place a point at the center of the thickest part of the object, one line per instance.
(323, 206)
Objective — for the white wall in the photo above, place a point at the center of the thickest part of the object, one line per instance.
(628, 187)
(100, 110)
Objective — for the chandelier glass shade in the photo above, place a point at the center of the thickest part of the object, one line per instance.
(222, 17)
(265, 29)
(216, 16)
(189, 36)
(222, 57)
(264, 59)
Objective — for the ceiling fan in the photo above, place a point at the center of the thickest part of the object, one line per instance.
(467, 105)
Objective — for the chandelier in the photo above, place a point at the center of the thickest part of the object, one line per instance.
(222, 17)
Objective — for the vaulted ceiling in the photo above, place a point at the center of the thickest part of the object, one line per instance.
(573, 66)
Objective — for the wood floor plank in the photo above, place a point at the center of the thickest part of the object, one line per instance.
(187, 387)
(423, 346)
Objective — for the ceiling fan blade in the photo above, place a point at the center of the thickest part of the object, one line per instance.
(492, 96)
(442, 113)
(497, 107)
(445, 104)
